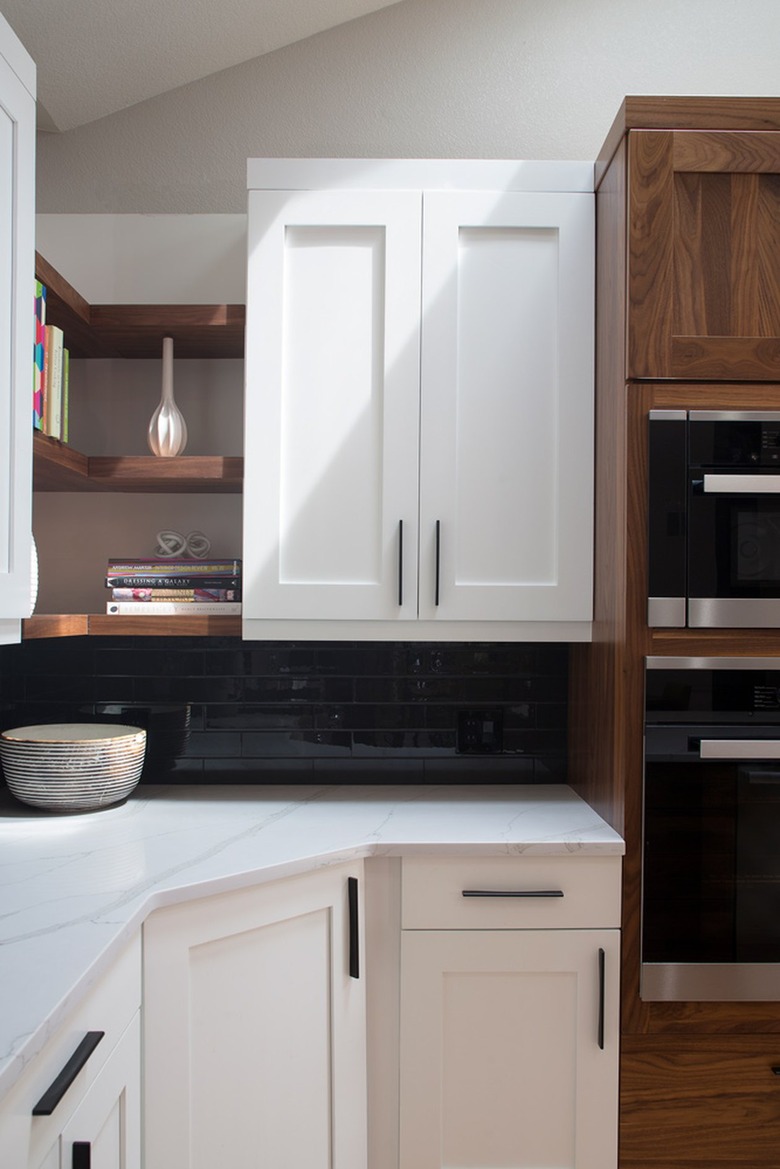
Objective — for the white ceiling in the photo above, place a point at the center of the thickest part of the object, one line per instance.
(95, 57)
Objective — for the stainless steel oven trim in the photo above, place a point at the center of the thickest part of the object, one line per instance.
(733, 613)
(734, 415)
(736, 749)
(695, 663)
(666, 612)
(741, 484)
(679, 982)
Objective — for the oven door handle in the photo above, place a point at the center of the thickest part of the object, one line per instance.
(739, 749)
(742, 484)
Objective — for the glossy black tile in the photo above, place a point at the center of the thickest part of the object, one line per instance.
(345, 711)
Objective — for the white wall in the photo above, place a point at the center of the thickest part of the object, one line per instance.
(438, 78)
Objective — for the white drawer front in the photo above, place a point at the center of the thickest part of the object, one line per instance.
(523, 892)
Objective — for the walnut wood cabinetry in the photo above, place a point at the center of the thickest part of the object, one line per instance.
(688, 315)
(134, 331)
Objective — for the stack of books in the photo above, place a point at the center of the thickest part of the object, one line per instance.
(167, 587)
(51, 373)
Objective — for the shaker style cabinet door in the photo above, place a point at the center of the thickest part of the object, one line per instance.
(332, 405)
(105, 1130)
(507, 406)
(17, 268)
(254, 1028)
(704, 237)
(509, 1049)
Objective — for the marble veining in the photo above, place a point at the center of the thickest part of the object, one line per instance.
(75, 888)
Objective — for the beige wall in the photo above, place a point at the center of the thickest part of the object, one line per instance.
(438, 78)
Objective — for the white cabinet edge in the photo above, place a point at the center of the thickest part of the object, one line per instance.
(292, 174)
(14, 52)
(258, 629)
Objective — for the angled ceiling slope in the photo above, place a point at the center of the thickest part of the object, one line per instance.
(95, 59)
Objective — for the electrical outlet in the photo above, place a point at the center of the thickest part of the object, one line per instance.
(480, 732)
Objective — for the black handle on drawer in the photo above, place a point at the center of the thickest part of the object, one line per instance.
(513, 892)
(602, 989)
(354, 937)
(82, 1155)
(57, 1089)
(438, 563)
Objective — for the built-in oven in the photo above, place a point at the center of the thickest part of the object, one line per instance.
(711, 850)
(714, 518)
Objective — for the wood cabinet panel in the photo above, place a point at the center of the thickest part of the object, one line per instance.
(704, 284)
(693, 1103)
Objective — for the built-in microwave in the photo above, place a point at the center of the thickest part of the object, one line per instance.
(711, 830)
(714, 519)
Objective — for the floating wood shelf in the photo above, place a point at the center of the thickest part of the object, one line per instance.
(59, 467)
(137, 330)
(103, 625)
(134, 331)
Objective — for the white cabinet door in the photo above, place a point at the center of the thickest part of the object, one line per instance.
(84, 1087)
(332, 405)
(507, 406)
(17, 268)
(105, 1130)
(254, 1030)
(509, 1049)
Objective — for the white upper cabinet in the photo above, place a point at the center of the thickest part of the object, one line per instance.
(507, 407)
(17, 267)
(419, 430)
(332, 405)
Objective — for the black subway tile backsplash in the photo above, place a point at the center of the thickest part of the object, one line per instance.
(222, 710)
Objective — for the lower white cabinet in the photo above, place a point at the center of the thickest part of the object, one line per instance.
(53, 1119)
(509, 1034)
(254, 1027)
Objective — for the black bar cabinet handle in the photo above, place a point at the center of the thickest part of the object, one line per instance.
(438, 561)
(59, 1086)
(512, 892)
(400, 562)
(82, 1155)
(354, 938)
(602, 988)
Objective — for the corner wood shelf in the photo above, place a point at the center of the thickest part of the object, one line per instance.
(59, 467)
(199, 331)
(137, 330)
(103, 625)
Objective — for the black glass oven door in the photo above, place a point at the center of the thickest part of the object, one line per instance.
(734, 549)
(711, 884)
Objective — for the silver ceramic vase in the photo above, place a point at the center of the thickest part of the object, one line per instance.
(167, 433)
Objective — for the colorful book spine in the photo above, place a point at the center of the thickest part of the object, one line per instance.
(187, 595)
(65, 394)
(172, 608)
(38, 354)
(218, 580)
(230, 566)
(53, 390)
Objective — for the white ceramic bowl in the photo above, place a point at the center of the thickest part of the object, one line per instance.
(70, 767)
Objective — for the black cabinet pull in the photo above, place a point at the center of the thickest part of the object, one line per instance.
(57, 1089)
(354, 938)
(775, 1070)
(438, 561)
(400, 562)
(602, 989)
(513, 892)
(82, 1155)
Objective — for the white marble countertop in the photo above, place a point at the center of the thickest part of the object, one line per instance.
(75, 888)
